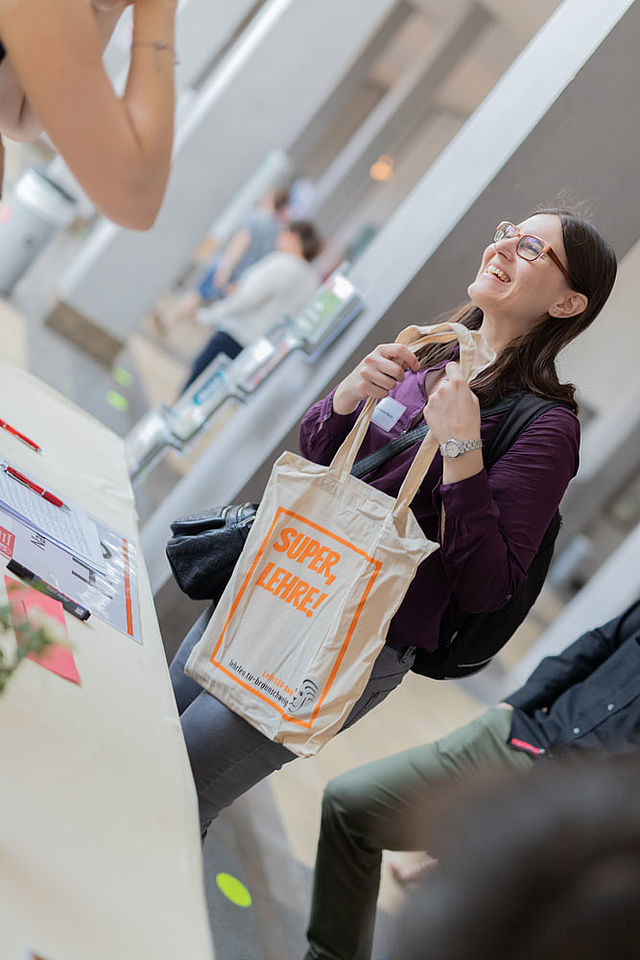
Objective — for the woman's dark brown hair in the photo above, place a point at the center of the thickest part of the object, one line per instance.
(528, 362)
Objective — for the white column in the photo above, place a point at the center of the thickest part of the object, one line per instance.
(264, 92)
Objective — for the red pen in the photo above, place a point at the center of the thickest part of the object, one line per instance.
(45, 494)
(16, 433)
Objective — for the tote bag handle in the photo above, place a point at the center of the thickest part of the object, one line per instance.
(474, 356)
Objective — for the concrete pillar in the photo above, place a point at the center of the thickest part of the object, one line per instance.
(203, 28)
(396, 117)
(523, 143)
(610, 449)
(381, 200)
(263, 93)
(324, 122)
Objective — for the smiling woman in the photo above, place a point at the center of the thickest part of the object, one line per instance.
(52, 78)
(539, 284)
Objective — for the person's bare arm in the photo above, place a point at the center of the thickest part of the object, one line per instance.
(236, 249)
(119, 149)
(17, 119)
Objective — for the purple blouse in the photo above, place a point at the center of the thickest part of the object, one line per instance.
(494, 521)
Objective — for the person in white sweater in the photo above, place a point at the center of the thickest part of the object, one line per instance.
(281, 283)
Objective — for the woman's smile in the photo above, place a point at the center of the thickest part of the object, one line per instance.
(494, 271)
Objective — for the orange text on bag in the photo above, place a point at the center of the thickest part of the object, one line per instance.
(291, 587)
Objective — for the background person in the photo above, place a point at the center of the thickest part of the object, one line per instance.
(585, 701)
(539, 285)
(255, 238)
(281, 283)
(52, 78)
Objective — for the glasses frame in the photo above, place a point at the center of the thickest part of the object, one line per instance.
(546, 247)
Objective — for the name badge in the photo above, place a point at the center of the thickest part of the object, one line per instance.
(387, 413)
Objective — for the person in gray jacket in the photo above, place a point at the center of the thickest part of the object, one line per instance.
(584, 701)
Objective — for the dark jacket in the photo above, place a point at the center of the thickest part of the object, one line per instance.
(591, 692)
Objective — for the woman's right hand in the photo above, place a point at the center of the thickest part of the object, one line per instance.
(375, 376)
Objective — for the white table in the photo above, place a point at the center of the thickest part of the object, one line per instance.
(99, 843)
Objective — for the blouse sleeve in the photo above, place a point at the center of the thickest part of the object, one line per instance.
(322, 430)
(495, 522)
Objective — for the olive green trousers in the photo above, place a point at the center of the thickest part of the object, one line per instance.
(367, 811)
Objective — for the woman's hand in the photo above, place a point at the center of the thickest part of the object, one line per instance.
(453, 409)
(379, 372)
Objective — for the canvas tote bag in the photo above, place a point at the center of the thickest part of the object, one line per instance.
(292, 642)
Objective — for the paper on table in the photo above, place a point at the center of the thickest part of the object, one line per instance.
(23, 601)
(111, 595)
(72, 529)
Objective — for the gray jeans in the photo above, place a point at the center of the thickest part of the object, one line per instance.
(227, 754)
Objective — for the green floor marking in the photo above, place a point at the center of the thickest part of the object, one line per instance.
(122, 376)
(117, 401)
(233, 890)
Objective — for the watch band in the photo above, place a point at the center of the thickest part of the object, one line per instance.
(455, 448)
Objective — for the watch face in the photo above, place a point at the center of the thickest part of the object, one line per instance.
(451, 448)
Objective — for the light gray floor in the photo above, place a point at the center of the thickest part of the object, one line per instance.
(248, 841)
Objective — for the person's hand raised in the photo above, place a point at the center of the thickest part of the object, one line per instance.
(453, 409)
(375, 376)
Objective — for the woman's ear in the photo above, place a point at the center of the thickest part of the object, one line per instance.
(573, 304)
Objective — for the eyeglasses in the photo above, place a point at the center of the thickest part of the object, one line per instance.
(529, 247)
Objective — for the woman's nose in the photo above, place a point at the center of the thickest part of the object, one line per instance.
(506, 244)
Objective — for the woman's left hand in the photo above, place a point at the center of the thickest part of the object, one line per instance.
(453, 409)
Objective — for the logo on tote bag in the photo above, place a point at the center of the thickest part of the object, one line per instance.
(306, 693)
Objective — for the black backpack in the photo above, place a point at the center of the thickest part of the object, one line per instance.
(469, 641)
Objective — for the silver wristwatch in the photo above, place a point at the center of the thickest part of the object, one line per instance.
(455, 448)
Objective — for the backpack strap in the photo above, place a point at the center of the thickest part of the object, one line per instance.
(375, 460)
(524, 409)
